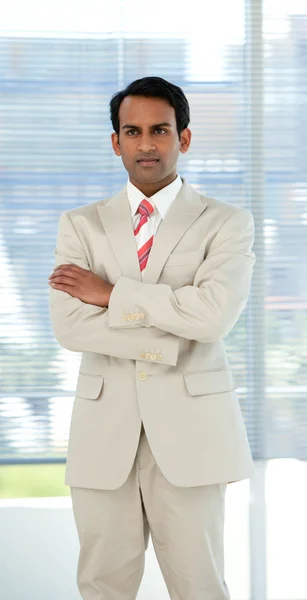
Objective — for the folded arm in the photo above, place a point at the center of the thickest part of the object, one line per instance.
(81, 327)
(205, 311)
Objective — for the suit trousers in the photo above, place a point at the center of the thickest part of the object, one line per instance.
(186, 525)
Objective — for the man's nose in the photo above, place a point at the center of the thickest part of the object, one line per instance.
(146, 143)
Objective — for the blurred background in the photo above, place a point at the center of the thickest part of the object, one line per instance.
(243, 68)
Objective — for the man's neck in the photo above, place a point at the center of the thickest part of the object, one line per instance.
(149, 189)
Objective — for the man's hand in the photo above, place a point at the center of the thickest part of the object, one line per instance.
(81, 283)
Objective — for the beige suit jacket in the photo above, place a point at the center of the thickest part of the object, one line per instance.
(156, 354)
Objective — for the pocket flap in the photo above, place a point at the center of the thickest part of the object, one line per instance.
(209, 382)
(89, 386)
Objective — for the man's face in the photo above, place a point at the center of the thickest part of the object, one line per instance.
(148, 140)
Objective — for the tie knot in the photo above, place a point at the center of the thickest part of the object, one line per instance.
(145, 208)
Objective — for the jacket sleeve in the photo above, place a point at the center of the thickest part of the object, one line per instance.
(207, 310)
(80, 327)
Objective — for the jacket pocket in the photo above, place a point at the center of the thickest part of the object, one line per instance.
(199, 383)
(89, 386)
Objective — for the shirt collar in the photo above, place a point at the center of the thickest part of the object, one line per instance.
(161, 200)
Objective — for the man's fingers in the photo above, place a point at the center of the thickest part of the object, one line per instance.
(56, 276)
(70, 267)
(63, 280)
(68, 270)
(64, 288)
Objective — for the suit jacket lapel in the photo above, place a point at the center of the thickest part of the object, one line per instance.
(116, 219)
(117, 222)
(184, 210)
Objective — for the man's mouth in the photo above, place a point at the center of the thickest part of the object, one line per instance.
(147, 162)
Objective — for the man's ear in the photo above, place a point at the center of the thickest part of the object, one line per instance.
(115, 143)
(185, 140)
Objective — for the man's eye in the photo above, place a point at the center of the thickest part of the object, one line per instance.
(159, 130)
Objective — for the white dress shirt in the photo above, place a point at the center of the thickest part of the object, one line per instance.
(161, 202)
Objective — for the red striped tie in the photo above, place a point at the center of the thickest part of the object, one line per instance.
(144, 209)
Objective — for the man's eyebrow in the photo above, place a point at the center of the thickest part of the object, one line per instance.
(152, 126)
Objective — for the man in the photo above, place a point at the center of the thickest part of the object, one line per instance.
(146, 285)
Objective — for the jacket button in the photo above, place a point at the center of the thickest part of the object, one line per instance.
(142, 376)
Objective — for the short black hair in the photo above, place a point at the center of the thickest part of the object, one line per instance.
(153, 87)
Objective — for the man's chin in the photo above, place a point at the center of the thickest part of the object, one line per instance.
(147, 175)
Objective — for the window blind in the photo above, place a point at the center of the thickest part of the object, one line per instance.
(248, 102)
